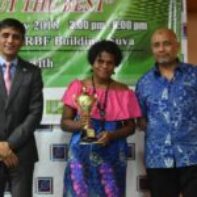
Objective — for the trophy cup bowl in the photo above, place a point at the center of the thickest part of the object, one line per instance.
(85, 103)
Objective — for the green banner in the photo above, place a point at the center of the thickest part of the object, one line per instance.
(59, 32)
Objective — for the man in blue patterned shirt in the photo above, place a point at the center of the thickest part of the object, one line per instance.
(168, 98)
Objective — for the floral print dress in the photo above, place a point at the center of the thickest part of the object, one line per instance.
(94, 170)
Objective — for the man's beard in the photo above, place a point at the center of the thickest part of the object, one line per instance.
(166, 61)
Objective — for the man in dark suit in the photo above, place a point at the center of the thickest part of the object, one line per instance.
(21, 105)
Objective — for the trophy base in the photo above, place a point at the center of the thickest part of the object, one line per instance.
(88, 140)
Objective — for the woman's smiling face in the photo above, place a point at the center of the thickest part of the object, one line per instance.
(104, 65)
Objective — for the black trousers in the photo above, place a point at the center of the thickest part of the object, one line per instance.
(171, 182)
(19, 179)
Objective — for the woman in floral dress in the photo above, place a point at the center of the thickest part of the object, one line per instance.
(99, 169)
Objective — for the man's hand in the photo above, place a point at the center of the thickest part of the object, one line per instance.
(11, 160)
(4, 149)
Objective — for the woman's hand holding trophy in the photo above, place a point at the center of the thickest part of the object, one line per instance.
(85, 103)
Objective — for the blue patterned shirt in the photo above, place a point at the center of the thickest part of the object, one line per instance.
(170, 108)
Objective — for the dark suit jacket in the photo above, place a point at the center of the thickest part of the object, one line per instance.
(21, 111)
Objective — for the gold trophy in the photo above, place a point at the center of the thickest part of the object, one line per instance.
(85, 103)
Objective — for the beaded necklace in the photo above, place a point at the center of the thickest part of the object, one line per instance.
(101, 106)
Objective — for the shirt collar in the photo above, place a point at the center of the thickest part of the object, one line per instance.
(13, 62)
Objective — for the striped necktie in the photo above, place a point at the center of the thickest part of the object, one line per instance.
(7, 77)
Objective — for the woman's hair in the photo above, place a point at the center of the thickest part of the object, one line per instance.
(13, 23)
(107, 46)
